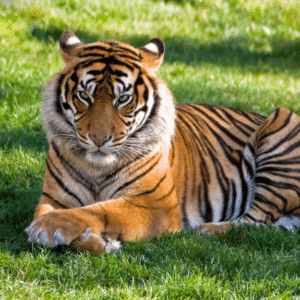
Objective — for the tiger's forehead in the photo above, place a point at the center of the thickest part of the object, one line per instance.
(110, 48)
(96, 75)
(112, 64)
(102, 72)
(100, 76)
(110, 58)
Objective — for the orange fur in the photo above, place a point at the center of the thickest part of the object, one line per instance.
(126, 163)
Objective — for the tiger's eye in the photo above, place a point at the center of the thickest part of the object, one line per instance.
(83, 95)
(123, 98)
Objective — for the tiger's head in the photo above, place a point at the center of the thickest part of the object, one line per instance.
(108, 102)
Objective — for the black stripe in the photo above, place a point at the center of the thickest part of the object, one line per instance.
(255, 118)
(184, 217)
(203, 143)
(245, 195)
(251, 148)
(168, 194)
(291, 211)
(286, 122)
(287, 161)
(51, 162)
(276, 184)
(234, 198)
(128, 123)
(224, 130)
(99, 82)
(106, 60)
(74, 77)
(228, 149)
(91, 54)
(98, 48)
(58, 94)
(286, 139)
(66, 105)
(151, 207)
(121, 81)
(153, 113)
(248, 216)
(127, 56)
(114, 174)
(172, 153)
(70, 168)
(172, 207)
(208, 215)
(252, 117)
(238, 124)
(269, 189)
(105, 221)
(279, 171)
(77, 119)
(249, 169)
(153, 189)
(119, 73)
(114, 61)
(136, 178)
(96, 72)
(128, 50)
(142, 206)
(66, 92)
(143, 108)
(62, 185)
(54, 200)
(268, 213)
(110, 50)
(145, 164)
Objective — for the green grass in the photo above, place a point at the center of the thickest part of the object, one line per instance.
(238, 53)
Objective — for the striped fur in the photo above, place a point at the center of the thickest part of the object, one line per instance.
(126, 163)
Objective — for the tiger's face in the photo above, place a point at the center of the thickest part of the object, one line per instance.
(109, 97)
(105, 105)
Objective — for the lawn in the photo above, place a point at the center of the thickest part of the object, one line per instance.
(237, 53)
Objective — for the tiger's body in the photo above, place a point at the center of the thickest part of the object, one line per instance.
(126, 163)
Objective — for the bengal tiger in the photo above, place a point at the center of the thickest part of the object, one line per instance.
(126, 163)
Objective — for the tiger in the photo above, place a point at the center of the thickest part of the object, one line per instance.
(126, 162)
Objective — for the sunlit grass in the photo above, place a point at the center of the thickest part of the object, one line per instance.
(235, 53)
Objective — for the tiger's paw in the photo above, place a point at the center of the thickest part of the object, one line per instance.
(56, 228)
(59, 228)
(95, 243)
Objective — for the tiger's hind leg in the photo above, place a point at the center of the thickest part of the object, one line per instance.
(277, 178)
(276, 148)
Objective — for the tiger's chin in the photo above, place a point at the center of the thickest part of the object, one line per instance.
(101, 158)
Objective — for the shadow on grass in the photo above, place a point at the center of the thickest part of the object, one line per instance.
(18, 199)
(17, 205)
(24, 138)
(19, 196)
(231, 52)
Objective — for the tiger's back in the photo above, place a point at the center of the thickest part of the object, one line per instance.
(206, 158)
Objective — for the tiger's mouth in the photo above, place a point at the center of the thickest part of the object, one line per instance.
(99, 153)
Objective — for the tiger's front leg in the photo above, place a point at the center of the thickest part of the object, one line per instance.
(64, 226)
(100, 227)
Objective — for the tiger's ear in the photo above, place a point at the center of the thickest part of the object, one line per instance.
(152, 54)
(69, 44)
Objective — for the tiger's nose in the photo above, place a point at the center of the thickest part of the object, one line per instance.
(99, 140)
